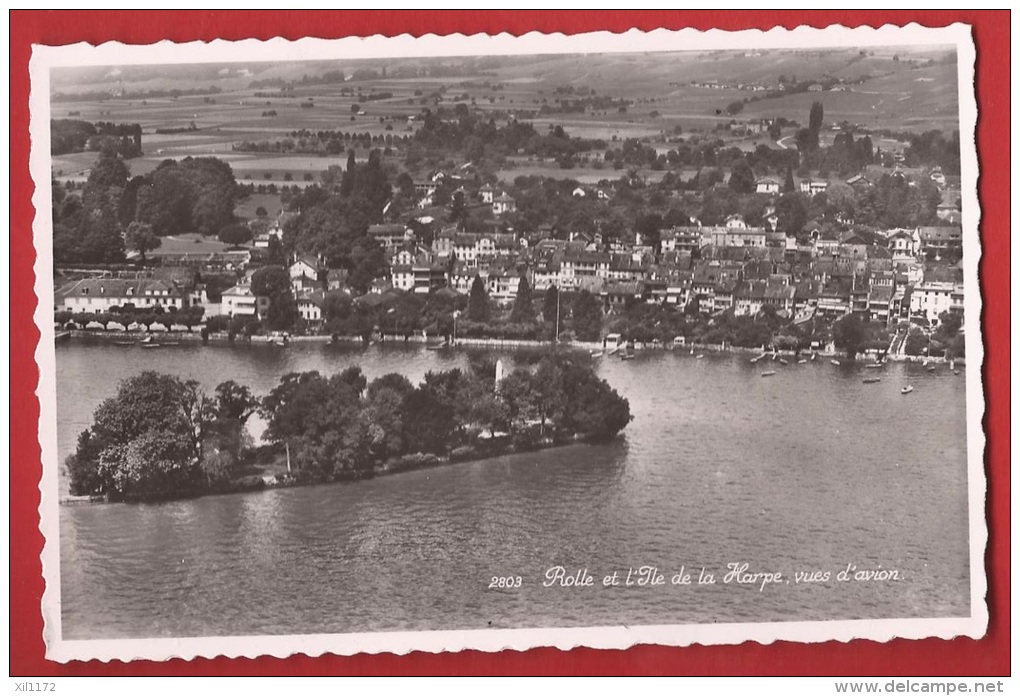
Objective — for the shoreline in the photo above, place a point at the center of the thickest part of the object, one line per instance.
(432, 342)
(417, 461)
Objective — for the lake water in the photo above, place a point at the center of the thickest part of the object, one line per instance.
(808, 470)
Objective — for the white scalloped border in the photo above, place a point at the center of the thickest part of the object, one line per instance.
(405, 45)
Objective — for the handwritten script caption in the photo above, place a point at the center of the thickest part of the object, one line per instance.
(737, 574)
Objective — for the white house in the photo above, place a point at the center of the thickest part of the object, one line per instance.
(932, 298)
(766, 186)
(101, 294)
(503, 204)
(310, 306)
(240, 301)
(814, 187)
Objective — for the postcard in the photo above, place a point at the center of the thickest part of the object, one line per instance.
(392, 344)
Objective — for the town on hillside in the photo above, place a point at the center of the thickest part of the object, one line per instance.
(448, 216)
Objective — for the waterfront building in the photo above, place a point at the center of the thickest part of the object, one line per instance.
(310, 307)
(931, 298)
(102, 294)
(240, 301)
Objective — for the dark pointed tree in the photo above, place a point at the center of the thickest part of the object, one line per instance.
(478, 302)
(815, 117)
(523, 311)
(550, 304)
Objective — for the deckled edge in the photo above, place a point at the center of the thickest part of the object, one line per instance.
(45, 358)
(613, 637)
(978, 470)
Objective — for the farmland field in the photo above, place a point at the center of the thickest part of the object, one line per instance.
(667, 96)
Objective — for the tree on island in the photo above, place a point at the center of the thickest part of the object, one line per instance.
(848, 333)
(478, 308)
(162, 437)
(144, 442)
(523, 311)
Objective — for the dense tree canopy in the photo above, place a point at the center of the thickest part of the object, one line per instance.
(145, 441)
(586, 317)
(274, 282)
(193, 195)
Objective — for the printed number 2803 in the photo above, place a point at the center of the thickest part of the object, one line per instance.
(509, 582)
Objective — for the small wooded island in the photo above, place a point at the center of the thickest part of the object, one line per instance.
(161, 437)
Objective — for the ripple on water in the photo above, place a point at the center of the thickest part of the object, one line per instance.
(808, 470)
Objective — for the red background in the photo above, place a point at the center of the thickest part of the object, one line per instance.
(989, 656)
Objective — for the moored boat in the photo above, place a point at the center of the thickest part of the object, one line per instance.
(871, 380)
(768, 373)
(835, 362)
(906, 390)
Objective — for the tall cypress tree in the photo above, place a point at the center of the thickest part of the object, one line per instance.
(347, 180)
(523, 311)
(549, 303)
(788, 186)
(478, 301)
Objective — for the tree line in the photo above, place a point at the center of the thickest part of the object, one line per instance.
(116, 212)
(163, 437)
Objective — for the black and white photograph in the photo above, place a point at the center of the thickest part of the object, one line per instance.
(486, 342)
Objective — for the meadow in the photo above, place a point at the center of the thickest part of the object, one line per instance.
(670, 95)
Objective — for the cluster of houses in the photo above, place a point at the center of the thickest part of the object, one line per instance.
(891, 275)
(500, 202)
(898, 274)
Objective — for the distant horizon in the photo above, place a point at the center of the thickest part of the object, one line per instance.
(76, 71)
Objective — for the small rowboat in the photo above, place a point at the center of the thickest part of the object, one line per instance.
(782, 361)
(801, 361)
(698, 357)
(874, 366)
(768, 373)
(906, 390)
(871, 380)
(835, 362)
